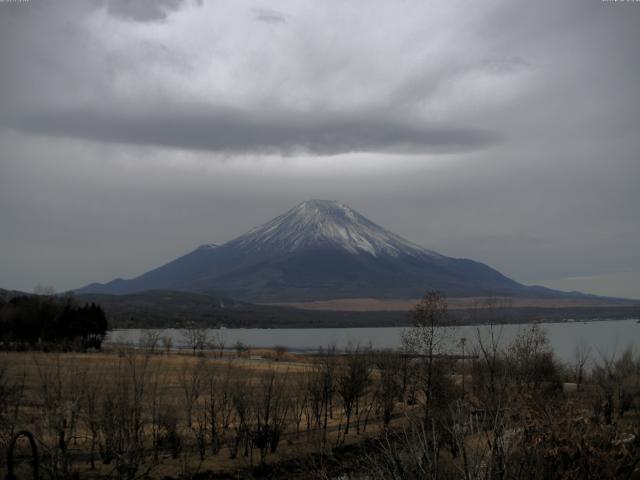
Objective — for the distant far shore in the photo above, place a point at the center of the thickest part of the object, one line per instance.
(454, 303)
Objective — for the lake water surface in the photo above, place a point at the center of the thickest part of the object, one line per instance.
(603, 337)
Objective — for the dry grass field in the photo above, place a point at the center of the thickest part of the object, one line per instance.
(176, 414)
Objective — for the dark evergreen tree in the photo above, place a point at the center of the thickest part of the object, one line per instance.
(48, 321)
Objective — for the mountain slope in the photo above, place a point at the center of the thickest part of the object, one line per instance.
(325, 224)
(319, 250)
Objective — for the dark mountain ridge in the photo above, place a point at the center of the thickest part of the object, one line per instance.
(322, 250)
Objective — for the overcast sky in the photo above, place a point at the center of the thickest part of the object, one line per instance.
(507, 132)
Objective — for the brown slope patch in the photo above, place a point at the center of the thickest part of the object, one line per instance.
(376, 304)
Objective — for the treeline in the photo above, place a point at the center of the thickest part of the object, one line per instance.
(50, 322)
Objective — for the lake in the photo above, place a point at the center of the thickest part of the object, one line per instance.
(604, 337)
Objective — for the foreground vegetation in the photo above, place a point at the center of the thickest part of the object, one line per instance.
(494, 411)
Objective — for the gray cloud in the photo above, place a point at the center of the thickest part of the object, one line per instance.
(82, 103)
(141, 10)
(129, 137)
(268, 15)
(233, 131)
(506, 66)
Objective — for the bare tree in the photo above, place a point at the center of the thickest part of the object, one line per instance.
(149, 340)
(271, 409)
(490, 384)
(11, 395)
(463, 343)
(195, 337)
(91, 397)
(474, 455)
(352, 381)
(489, 370)
(389, 385)
(428, 338)
(61, 391)
(211, 414)
(124, 419)
(315, 395)
(241, 348)
(409, 454)
(280, 351)
(618, 379)
(327, 380)
(191, 384)
(218, 341)
(300, 399)
(581, 355)
(240, 395)
(530, 357)
(166, 432)
(167, 343)
(218, 404)
(158, 408)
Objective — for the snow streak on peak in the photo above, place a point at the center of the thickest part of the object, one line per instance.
(208, 246)
(326, 224)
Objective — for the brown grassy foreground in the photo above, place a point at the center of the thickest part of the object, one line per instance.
(130, 413)
(504, 412)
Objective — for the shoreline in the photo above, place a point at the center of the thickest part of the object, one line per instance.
(408, 325)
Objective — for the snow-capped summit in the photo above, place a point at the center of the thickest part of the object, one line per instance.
(320, 249)
(326, 224)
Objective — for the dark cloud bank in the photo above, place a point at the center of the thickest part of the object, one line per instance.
(243, 132)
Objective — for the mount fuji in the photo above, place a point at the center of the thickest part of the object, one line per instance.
(321, 250)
